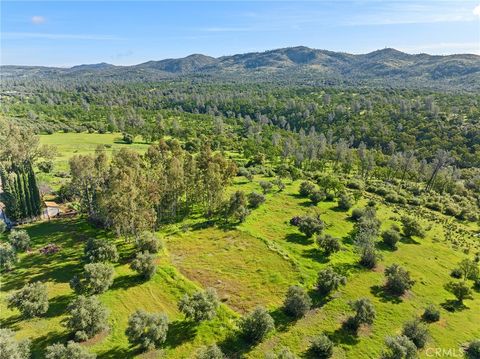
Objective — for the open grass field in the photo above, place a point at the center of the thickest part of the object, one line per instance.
(70, 144)
(251, 264)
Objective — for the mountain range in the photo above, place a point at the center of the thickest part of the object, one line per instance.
(298, 64)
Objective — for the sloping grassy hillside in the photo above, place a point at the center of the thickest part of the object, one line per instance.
(250, 264)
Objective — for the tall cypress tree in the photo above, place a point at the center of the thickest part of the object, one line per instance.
(34, 192)
(26, 192)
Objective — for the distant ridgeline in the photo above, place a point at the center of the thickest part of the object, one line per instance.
(20, 192)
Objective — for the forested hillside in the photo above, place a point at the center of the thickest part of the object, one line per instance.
(300, 65)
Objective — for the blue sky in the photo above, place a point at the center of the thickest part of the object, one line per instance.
(66, 33)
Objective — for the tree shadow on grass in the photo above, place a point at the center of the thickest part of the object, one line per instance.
(298, 238)
(343, 335)
(202, 225)
(39, 344)
(11, 322)
(349, 239)
(307, 204)
(380, 291)
(119, 352)
(180, 331)
(126, 281)
(315, 254)
(408, 240)
(452, 305)
(338, 209)
(53, 271)
(58, 305)
(282, 321)
(318, 299)
(234, 346)
(346, 268)
(384, 247)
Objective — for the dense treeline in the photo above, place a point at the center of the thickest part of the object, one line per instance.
(20, 192)
(18, 154)
(134, 192)
(381, 118)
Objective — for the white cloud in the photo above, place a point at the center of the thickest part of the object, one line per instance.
(37, 20)
(476, 11)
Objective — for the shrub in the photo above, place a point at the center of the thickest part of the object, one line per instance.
(306, 188)
(255, 199)
(200, 305)
(87, 317)
(344, 202)
(8, 256)
(434, 205)
(391, 237)
(355, 184)
(284, 353)
(256, 325)
(416, 332)
(357, 213)
(297, 302)
(368, 254)
(414, 201)
(460, 290)
(148, 330)
(456, 273)
(399, 347)
(148, 242)
(45, 166)
(329, 196)
(128, 138)
(10, 348)
(310, 225)
(279, 183)
(469, 269)
(3, 226)
(451, 210)
(19, 239)
(71, 350)
(321, 347)
(144, 264)
(364, 313)
(31, 300)
(99, 250)
(473, 349)
(210, 352)
(328, 280)
(294, 221)
(316, 197)
(398, 279)
(411, 227)
(266, 186)
(236, 207)
(431, 314)
(328, 244)
(96, 279)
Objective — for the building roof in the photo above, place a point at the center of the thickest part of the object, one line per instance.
(51, 204)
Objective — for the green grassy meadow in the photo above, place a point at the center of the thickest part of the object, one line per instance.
(249, 265)
(70, 144)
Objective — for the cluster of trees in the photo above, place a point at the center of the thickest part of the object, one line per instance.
(19, 151)
(17, 241)
(135, 193)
